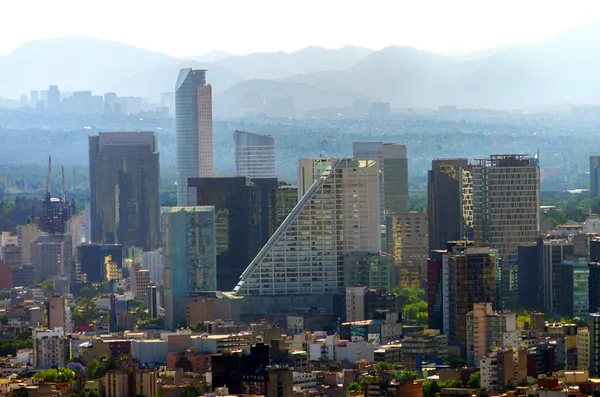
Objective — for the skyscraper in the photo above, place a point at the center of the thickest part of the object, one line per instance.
(407, 242)
(91, 259)
(506, 208)
(337, 214)
(53, 99)
(594, 331)
(193, 124)
(594, 176)
(254, 155)
(239, 230)
(282, 201)
(124, 178)
(393, 164)
(449, 202)
(190, 256)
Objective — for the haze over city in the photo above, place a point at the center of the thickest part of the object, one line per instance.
(191, 28)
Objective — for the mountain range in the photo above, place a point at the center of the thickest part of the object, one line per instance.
(562, 69)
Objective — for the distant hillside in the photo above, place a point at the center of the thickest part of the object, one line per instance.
(74, 64)
(275, 65)
(211, 56)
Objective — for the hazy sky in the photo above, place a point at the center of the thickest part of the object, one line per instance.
(193, 27)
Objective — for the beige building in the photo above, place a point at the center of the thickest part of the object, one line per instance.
(146, 383)
(139, 283)
(488, 330)
(408, 244)
(503, 368)
(337, 213)
(201, 309)
(49, 348)
(116, 384)
(26, 234)
(59, 313)
(583, 348)
(355, 303)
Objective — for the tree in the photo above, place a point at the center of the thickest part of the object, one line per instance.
(411, 310)
(406, 375)
(356, 386)
(382, 366)
(451, 384)
(456, 362)
(474, 380)
(48, 286)
(56, 375)
(93, 393)
(430, 388)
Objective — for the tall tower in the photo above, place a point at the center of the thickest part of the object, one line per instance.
(338, 214)
(124, 177)
(193, 118)
(449, 202)
(254, 155)
(393, 163)
(190, 255)
(506, 208)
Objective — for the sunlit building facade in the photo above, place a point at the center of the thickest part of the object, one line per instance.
(338, 213)
(254, 155)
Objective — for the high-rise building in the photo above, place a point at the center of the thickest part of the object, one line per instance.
(139, 283)
(34, 97)
(506, 207)
(594, 176)
(153, 301)
(594, 333)
(91, 260)
(6, 270)
(554, 252)
(282, 201)
(407, 242)
(124, 178)
(53, 99)
(49, 348)
(393, 163)
(239, 227)
(26, 234)
(488, 330)
(254, 155)
(574, 296)
(193, 118)
(52, 255)
(466, 275)
(449, 202)
(337, 214)
(190, 255)
(153, 261)
(59, 313)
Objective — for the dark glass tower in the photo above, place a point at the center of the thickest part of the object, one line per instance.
(237, 202)
(124, 178)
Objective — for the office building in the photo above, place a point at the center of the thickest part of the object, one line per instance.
(371, 270)
(594, 332)
(26, 234)
(92, 258)
(146, 383)
(449, 202)
(582, 342)
(594, 176)
(116, 384)
(24, 275)
(337, 214)
(529, 268)
(254, 155)
(460, 277)
(52, 255)
(190, 255)
(393, 163)
(239, 227)
(575, 289)
(34, 97)
(153, 301)
(153, 261)
(488, 330)
(506, 202)
(59, 313)
(282, 201)
(407, 243)
(49, 348)
(554, 252)
(6, 270)
(428, 345)
(53, 99)
(139, 283)
(193, 126)
(124, 178)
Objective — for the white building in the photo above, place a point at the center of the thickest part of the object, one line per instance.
(304, 380)
(354, 351)
(338, 213)
(153, 261)
(49, 348)
(592, 224)
(254, 155)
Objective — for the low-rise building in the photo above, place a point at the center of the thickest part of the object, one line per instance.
(429, 345)
(49, 348)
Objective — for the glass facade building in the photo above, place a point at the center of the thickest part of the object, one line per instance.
(124, 191)
(337, 214)
(190, 254)
(254, 155)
